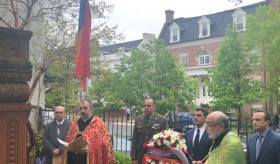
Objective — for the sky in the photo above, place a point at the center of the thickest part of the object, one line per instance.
(135, 17)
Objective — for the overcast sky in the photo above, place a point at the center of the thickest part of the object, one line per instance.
(135, 17)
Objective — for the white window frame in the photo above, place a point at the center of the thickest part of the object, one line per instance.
(204, 59)
(239, 18)
(174, 31)
(202, 22)
(184, 61)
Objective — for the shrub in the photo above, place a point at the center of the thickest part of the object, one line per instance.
(122, 158)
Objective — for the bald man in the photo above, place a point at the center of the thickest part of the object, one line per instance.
(58, 128)
(226, 146)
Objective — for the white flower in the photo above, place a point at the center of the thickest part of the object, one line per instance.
(148, 160)
(156, 136)
(173, 138)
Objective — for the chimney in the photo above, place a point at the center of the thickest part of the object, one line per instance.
(147, 36)
(169, 16)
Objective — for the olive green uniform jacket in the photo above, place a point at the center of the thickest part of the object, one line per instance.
(144, 132)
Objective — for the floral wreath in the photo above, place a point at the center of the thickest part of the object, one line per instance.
(160, 143)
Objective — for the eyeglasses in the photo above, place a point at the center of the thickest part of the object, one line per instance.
(209, 124)
(147, 105)
(198, 115)
(85, 108)
(58, 112)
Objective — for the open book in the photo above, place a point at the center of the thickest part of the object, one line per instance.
(75, 145)
(180, 155)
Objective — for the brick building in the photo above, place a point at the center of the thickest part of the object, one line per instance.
(195, 42)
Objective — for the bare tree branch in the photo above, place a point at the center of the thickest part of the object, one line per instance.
(28, 15)
(6, 23)
(15, 13)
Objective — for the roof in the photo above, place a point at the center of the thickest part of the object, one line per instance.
(110, 49)
(219, 22)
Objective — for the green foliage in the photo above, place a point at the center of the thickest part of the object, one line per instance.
(64, 88)
(38, 149)
(121, 158)
(150, 71)
(263, 33)
(231, 85)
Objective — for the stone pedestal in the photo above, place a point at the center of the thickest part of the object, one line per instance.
(15, 71)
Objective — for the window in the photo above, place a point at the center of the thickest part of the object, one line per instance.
(204, 27)
(174, 33)
(239, 18)
(239, 22)
(204, 58)
(184, 61)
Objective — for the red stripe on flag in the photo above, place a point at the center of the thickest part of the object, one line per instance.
(83, 45)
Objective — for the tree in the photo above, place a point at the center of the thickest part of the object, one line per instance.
(55, 36)
(236, 2)
(58, 28)
(230, 83)
(64, 89)
(150, 71)
(263, 32)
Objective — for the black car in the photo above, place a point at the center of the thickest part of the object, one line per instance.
(180, 121)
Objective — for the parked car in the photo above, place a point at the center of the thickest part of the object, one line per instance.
(180, 121)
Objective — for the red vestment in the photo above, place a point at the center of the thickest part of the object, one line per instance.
(100, 149)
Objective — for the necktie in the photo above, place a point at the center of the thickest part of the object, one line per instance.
(258, 145)
(58, 128)
(196, 140)
(147, 119)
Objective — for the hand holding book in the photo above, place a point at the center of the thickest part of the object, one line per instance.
(78, 145)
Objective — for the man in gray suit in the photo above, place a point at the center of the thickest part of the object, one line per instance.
(146, 125)
(263, 146)
(55, 129)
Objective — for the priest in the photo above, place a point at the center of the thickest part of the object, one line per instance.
(94, 131)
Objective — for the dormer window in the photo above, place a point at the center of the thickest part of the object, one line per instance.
(204, 27)
(174, 33)
(239, 22)
(239, 18)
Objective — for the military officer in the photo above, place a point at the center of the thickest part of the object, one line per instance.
(146, 125)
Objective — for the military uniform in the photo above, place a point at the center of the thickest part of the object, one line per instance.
(144, 129)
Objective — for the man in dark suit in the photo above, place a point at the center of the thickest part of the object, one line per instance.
(264, 146)
(146, 125)
(197, 140)
(55, 129)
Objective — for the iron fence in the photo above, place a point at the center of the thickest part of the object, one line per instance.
(121, 128)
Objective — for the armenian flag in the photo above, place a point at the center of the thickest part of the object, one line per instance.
(83, 44)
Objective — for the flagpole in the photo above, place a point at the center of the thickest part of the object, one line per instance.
(86, 92)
